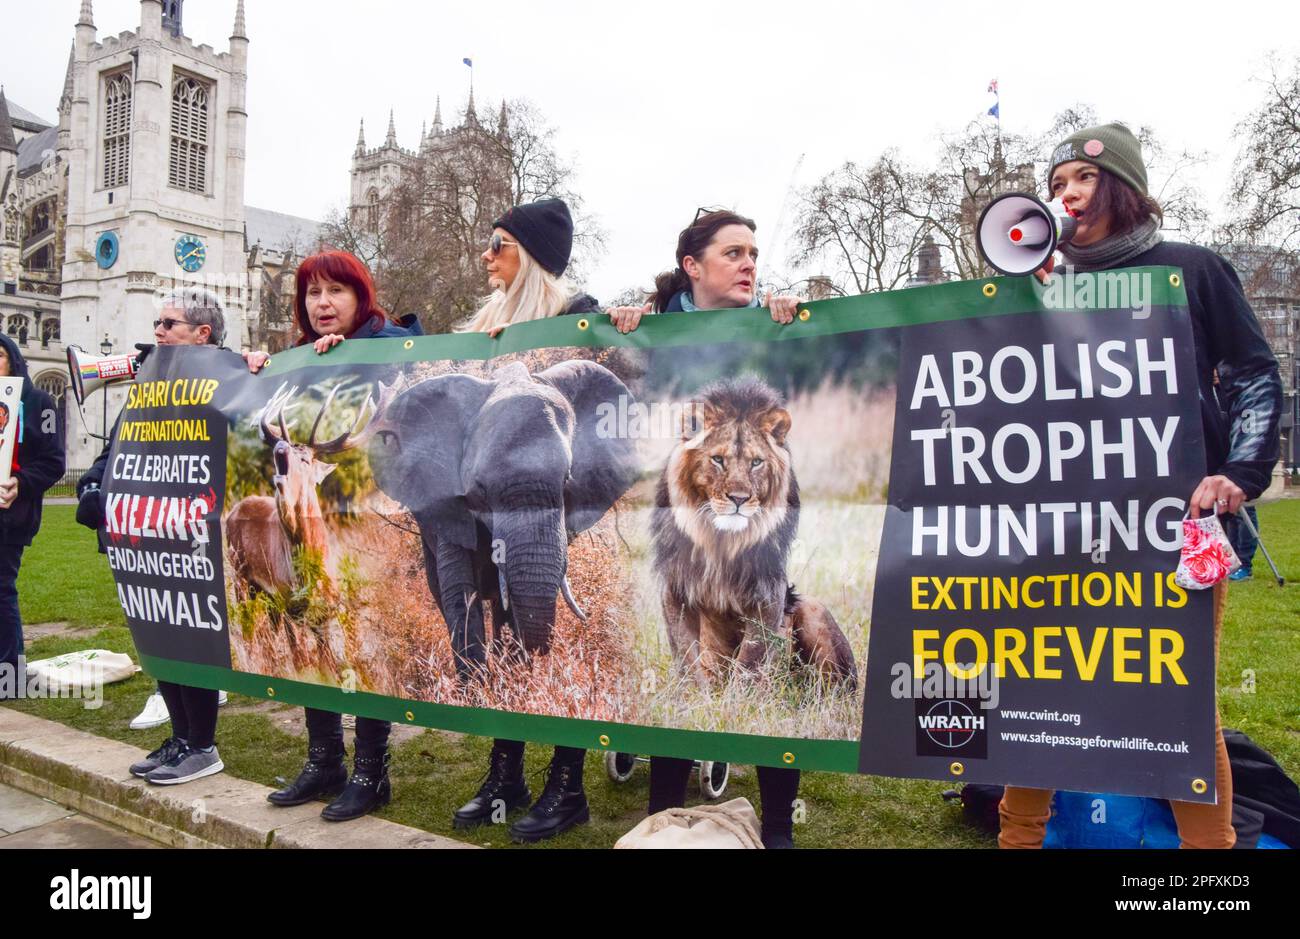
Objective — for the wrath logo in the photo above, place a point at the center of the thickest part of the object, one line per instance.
(949, 727)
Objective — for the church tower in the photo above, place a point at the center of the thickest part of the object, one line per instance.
(154, 130)
(9, 228)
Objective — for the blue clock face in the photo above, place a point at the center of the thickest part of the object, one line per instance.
(190, 252)
(106, 249)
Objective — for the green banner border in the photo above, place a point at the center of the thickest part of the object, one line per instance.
(826, 755)
(937, 303)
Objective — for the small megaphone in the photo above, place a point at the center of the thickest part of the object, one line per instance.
(92, 372)
(1017, 232)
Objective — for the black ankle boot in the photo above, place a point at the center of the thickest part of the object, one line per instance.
(323, 775)
(562, 805)
(504, 788)
(367, 790)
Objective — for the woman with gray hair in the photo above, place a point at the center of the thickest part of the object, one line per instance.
(190, 316)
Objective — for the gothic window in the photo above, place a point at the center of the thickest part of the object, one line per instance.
(16, 327)
(188, 164)
(117, 130)
(40, 219)
(372, 210)
(53, 384)
(49, 331)
(42, 260)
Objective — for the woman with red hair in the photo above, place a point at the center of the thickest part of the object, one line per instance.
(335, 300)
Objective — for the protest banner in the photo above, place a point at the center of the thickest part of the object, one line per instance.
(683, 541)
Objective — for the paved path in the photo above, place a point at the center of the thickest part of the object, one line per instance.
(28, 821)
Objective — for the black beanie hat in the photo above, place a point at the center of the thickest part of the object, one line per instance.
(545, 229)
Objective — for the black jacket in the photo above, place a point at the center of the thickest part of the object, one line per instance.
(40, 455)
(1241, 416)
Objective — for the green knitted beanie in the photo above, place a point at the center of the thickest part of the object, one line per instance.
(1110, 146)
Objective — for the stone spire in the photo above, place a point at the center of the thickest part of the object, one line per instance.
(391, 139)
(7, 142)
(424, 133)
(173, 13)
(502, 123)
(361, 138)
(471, 116)
(437, 116)
(241, 29)
(87, 17)
(65, 100)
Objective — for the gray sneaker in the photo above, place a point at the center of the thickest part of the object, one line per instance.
(188, 764)
(170, 747)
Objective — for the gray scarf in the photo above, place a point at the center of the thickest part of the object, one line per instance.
(1114, 250)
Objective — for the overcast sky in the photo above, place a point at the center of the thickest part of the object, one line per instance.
(670, 105)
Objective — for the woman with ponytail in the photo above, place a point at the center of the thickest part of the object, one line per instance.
(717, 267)
(717, 264)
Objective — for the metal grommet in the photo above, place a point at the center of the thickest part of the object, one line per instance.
(1199, 786)
(1174, 281)
(409, 344)
(805, 315)
(410, 715)
(604, 740)
(583, 324)
(787, 758)
(270, 692)
(990, 290)
(956, 769)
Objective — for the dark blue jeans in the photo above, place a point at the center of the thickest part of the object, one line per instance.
(1243, 542)
(11, 622)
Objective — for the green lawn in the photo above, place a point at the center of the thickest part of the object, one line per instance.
(64, 579)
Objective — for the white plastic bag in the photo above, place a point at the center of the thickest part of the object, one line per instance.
(85, 669)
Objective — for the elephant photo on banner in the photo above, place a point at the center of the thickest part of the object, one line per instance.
(479, 484)
(500, 476)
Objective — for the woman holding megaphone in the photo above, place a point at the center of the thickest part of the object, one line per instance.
(1099, 175)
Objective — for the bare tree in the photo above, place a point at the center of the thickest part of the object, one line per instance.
(1266, 179)
(862, 224)
(863, 227)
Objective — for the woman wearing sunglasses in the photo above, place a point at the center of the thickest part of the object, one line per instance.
(1099, 174)
(525, 261)
(335, 300)
(717, 264)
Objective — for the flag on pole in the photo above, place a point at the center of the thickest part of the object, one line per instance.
(993, 111)
(469, 62)
(993, 86)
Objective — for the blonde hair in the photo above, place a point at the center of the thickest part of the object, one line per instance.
(535, 294)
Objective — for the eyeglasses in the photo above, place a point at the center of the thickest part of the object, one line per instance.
(705, 210)
(495, 243)
(167, 323)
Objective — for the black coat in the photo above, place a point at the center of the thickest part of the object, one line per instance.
(40, 455)
(1240, 416)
